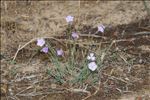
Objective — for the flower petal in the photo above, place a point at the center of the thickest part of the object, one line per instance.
(45, 50)
(101, 28)
(91, 54)
(88, 58)
(59, 52)
(75, 35)
(69, 19)
(40, 42)
(92, 66)
(93, 58)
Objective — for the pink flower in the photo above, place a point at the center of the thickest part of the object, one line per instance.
(69, 19)
(75, 35)
(40, 42)
(59, 52)
(45, 50)
(101, 28)
(92, 66)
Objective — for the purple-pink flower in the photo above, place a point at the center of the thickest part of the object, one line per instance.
(44, 49)
(69, 19)
(59, 52)
(40, 42)
(101, 28)
(92, 66)
(75, 35)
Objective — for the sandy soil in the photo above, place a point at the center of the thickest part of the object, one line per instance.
(23, 21)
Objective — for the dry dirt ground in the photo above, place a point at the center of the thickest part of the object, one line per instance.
(23, 21)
